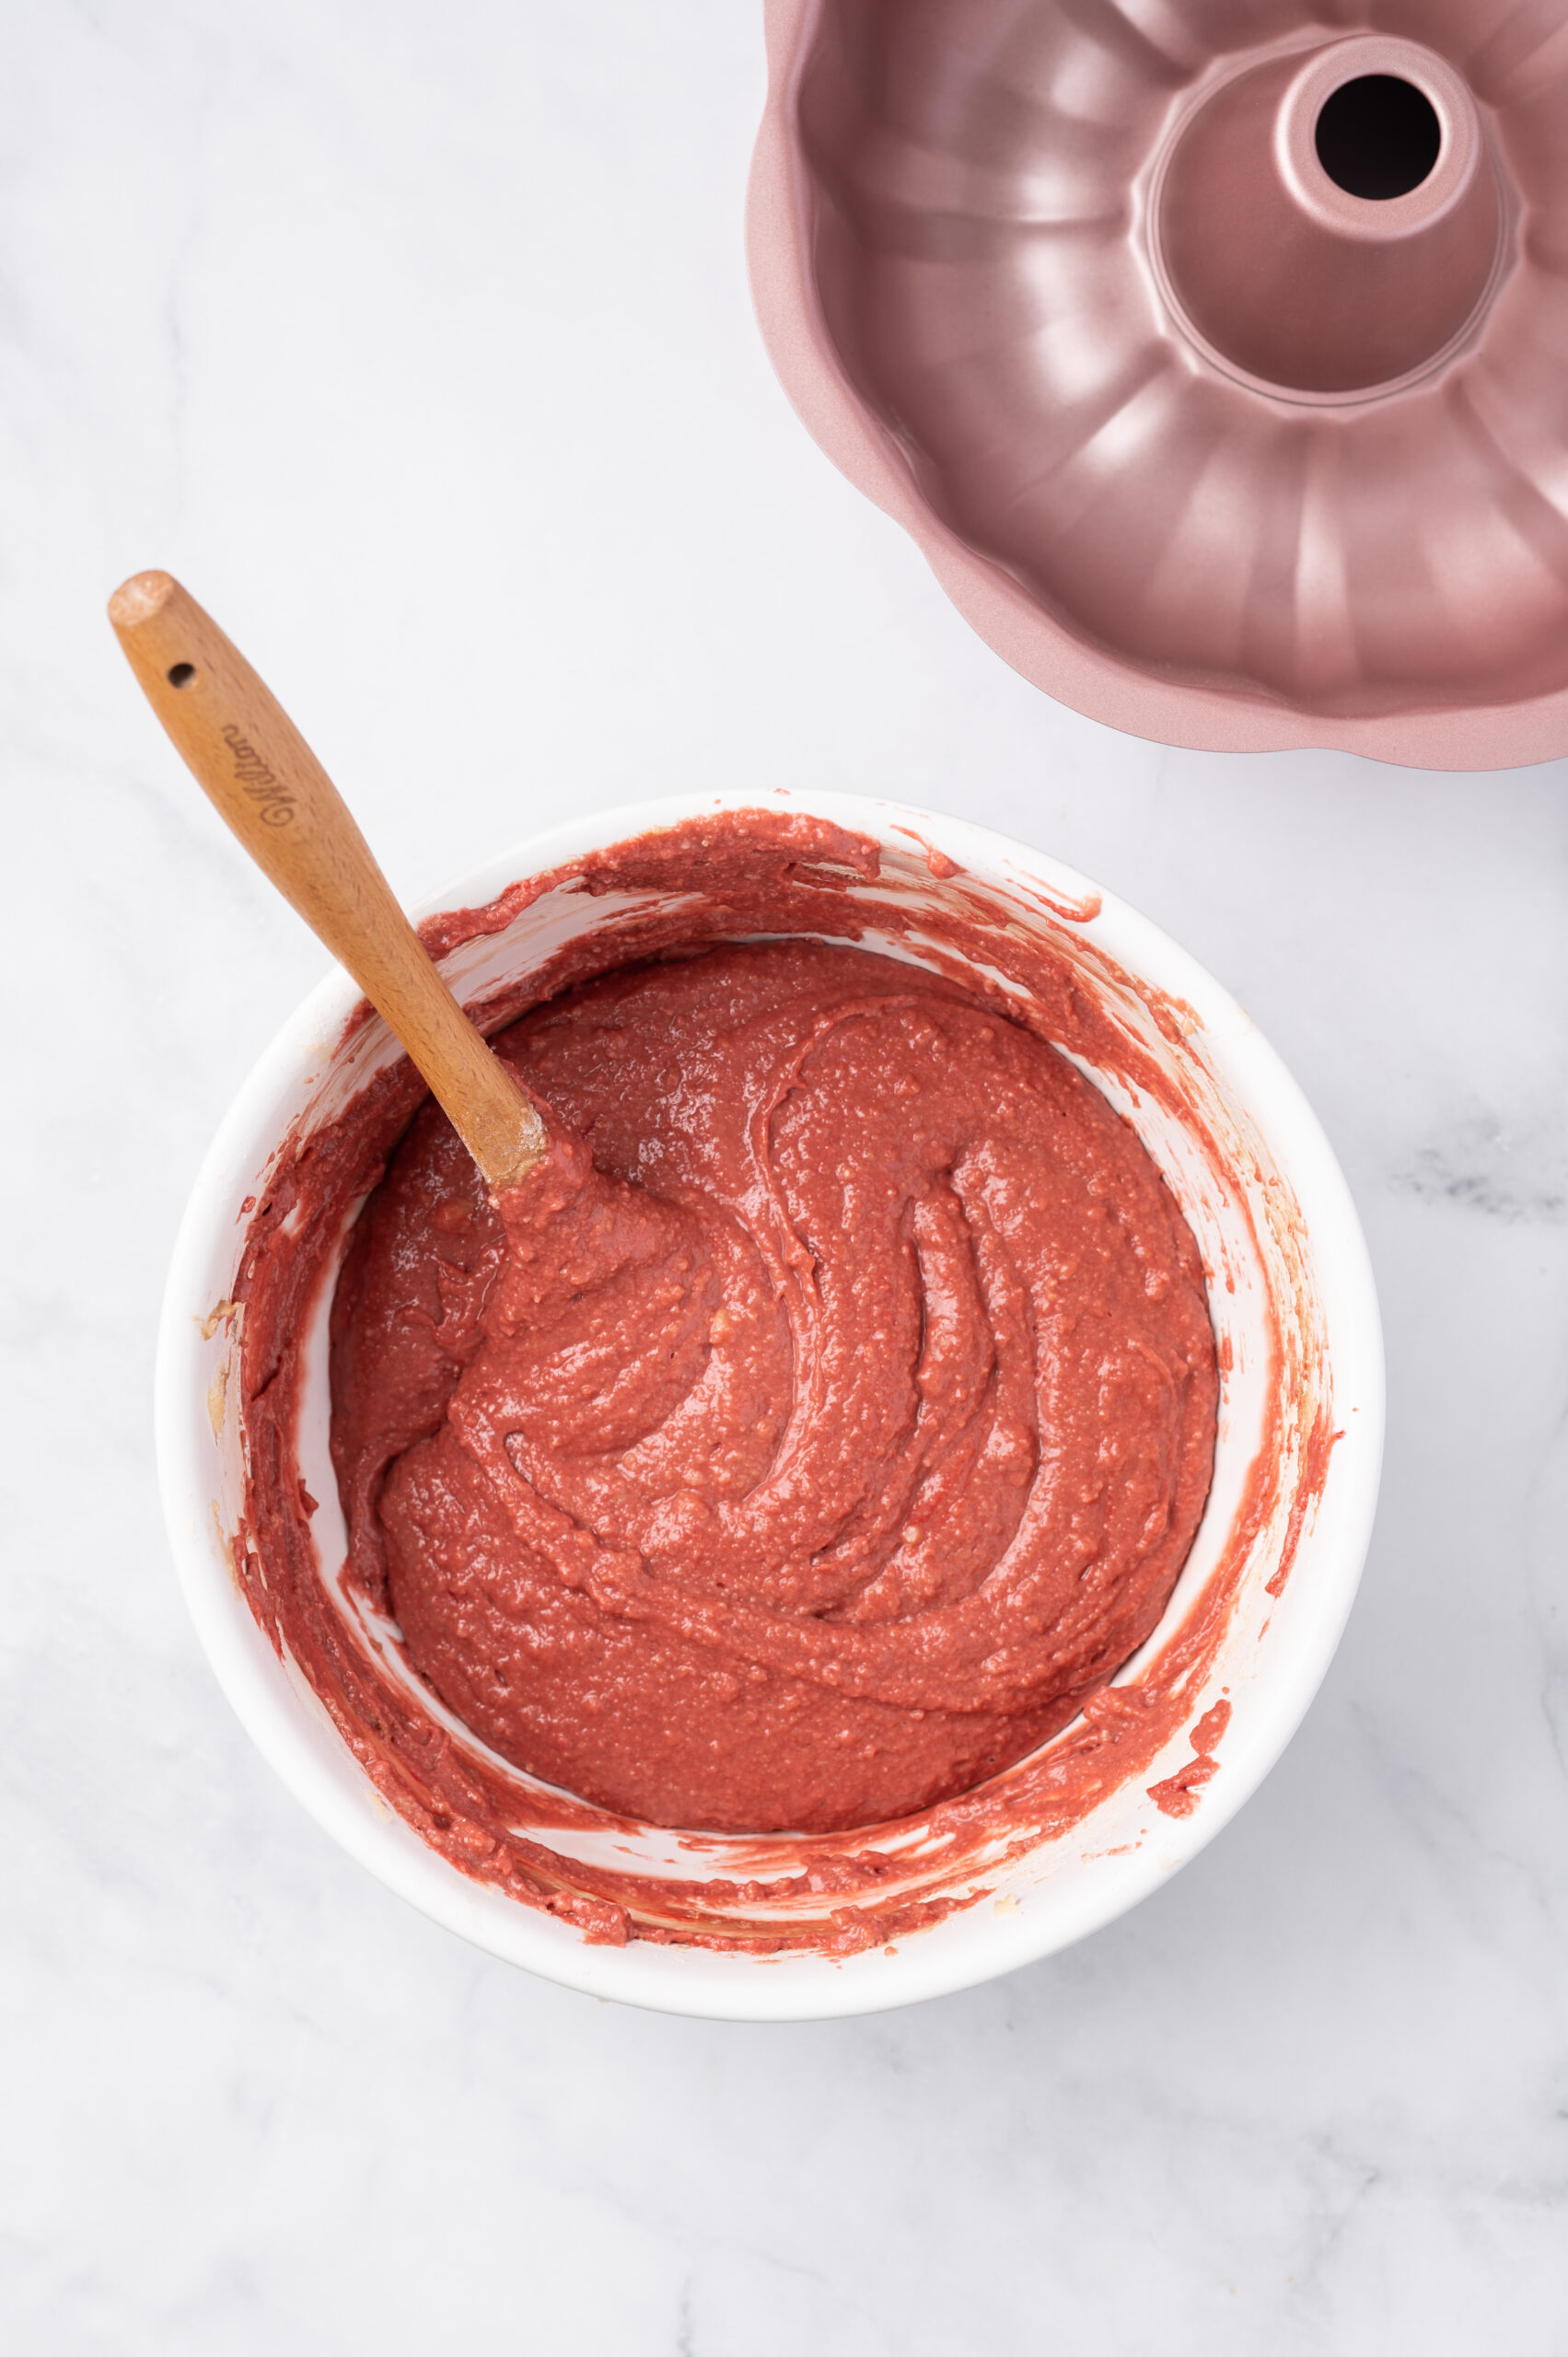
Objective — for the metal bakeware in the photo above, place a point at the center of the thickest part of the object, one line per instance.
(1215, 352)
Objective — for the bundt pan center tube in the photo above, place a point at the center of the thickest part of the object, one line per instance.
(1216, 356)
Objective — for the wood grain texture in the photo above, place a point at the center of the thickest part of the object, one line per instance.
(263, 780)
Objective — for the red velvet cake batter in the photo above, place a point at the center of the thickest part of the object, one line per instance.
(813, 1433)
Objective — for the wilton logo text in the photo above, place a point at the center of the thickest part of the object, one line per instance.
(256, 780)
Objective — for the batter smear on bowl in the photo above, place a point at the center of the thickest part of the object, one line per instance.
(804, 1442)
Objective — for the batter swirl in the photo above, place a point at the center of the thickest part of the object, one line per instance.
(827, 1420)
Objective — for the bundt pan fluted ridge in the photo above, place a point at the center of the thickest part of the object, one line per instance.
(1214, 352)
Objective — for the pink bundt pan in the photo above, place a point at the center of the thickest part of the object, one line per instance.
(1214, 353)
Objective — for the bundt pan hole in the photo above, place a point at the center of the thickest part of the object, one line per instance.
(1378, 137)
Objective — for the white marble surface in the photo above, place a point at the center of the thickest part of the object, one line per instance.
(417, 341)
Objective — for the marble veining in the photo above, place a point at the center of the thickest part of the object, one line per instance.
(1504, 1170)
(419, 344)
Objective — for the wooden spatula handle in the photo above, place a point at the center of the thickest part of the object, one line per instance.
(262, 776)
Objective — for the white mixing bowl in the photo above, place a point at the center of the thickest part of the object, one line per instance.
(1294, 1307)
